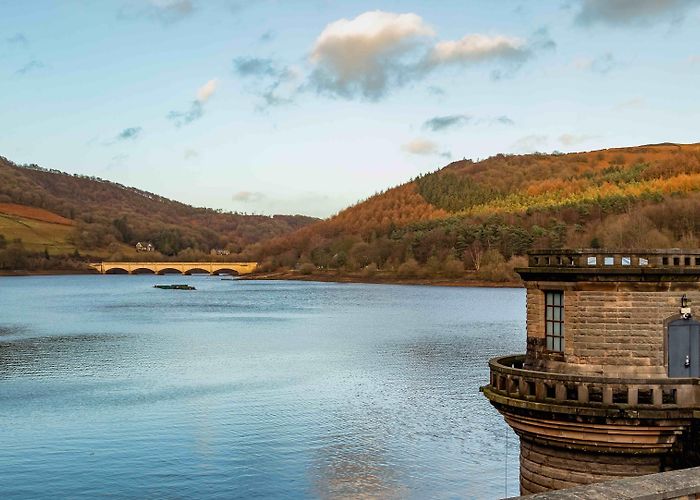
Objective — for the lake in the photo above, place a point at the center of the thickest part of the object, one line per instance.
(241, 389)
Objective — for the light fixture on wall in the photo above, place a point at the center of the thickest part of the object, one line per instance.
(685, 307)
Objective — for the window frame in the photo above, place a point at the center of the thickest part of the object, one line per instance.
(554, 320)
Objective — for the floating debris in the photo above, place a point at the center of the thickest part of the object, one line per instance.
(175, 287)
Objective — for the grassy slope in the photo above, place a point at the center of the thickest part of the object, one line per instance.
(37, 235)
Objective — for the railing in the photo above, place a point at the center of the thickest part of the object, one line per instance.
(508, 378)
(600, 258)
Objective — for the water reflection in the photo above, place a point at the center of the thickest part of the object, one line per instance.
(251, 389)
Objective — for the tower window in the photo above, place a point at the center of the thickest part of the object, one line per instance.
(554, 321)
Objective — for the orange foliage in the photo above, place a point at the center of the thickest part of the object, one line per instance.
(34, 213)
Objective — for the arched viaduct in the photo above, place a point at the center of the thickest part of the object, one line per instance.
(174, 267)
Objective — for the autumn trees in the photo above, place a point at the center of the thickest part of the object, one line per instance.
(482, 217)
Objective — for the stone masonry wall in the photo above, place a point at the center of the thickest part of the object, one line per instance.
(614, 327)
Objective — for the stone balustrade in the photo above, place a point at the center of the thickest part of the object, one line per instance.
(590, 392)
(597, 259)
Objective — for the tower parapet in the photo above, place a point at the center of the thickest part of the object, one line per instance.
(610, 383)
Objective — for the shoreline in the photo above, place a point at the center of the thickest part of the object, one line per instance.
(381, 280)
(319, 277)
(46, 272)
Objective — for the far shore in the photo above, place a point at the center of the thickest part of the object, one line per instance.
(380, 280)
(322, 277)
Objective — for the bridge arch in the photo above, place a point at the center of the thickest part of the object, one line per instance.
(169, 270)
(225, 270)
(116, 270)
(196, 270)
(143, 270)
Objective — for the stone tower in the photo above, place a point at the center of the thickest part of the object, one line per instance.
(609, 384)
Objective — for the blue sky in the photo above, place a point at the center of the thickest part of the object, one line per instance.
(294, 106)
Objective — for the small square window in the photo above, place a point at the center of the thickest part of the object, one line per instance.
(643, 261)
(697, 261)
(592, 261)
(626, 261)
(686, 261)
(609, 261)
(664, 261)
(676, 261)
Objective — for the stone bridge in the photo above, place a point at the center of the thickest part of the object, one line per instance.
(174, 267)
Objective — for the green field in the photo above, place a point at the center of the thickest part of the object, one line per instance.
(37, 235)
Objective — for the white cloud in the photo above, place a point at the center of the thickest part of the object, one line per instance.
(377, 51)
(365, 55)
(207, 90)
(420, 146)
(475, 48)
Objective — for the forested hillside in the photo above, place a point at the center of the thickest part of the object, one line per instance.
(480, 218)
(91, 216)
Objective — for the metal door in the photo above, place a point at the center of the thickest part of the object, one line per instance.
(684, 348)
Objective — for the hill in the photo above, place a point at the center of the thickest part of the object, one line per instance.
(482, 217)
(56, 213)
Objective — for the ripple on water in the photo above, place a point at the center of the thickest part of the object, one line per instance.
(242, 389)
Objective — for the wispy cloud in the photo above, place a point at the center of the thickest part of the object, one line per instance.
(632, 12)
(196, 109)
(420, 146)
(129, 134)
(574, 139)
(190, 154)
(530, 143)
(31, 67)
(118, 160)
(248, 196)
(634, 103)
(274, 82)
(377, 51)
(17, 39)
(164, 11)
(602, 64)
(267, 36)
(503, 120)
(439, 123)
(257, 67)
(424, 147)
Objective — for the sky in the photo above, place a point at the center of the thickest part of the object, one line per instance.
(308, 106)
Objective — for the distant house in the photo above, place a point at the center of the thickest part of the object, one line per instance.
(219, 251)
(145, 247)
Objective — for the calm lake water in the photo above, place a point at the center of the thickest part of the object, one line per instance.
(242, 389)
